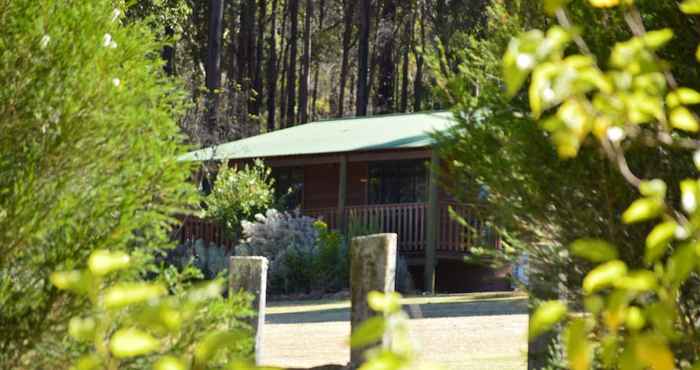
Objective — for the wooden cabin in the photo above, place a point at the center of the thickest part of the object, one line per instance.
(377, 170)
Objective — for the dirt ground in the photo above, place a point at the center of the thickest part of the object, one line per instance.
(466, 331)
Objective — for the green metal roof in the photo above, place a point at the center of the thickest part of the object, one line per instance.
(334, 136)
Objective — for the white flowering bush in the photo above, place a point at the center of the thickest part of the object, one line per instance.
(303, 254)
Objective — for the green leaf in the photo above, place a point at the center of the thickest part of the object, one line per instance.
(594, 250)
(680, 265)
(658, 239)
(653, 188)
(385, 360)
(545, 317)
(640, 280)
(682, 119)
(102, 262)
(689, 195)
(578, 348)
(132, 342)
(551, 6)
(82, 329)
(520, 59)
(690, 6)
(604, 275)
(131, 293)
(387, 303)
(75, 281)
(89, 362)
(643, 209)
(541, 93)
(215, 341)
(604, 3)
(658, 38)
(683, 95)
(635, 318)
(654, 352)
(697, 53)
(169, 363)
(369, 332)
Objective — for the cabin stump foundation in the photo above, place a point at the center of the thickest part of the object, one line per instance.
(249, 274)
(372, 267)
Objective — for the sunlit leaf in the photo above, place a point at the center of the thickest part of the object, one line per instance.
(635, 318)
(604, 276)
(609, 351)
(89, 362)
(680, 264)
(604, 3)
(640, 280)
(380, 302)
(132, 342)
(653, 188)
(545, 317)
(551, 6)
(82, 329)
(369, 332)
(662, 316)
(689, 195)
(75, 281)
(593, 303)
(658, 239)
(169, 363)
(207, 348)
(690, 6)
(385, 360)
(578, 348)
(520, 58)
(658, 38)
(102, 262)
(653, 351)
(683, 95)
(131, 293)
(643, 209)
(682, 119)
(594, 250)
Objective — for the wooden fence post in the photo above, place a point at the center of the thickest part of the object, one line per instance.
(372, 267)
(250, 275)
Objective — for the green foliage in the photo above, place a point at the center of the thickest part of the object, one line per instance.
(641, 317)
(240, 194)
(88, 160)
(137, 324)
(390, 325)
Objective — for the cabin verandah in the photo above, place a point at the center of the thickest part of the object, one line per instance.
(377, 171)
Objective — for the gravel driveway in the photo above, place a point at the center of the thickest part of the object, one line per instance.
(466, 331)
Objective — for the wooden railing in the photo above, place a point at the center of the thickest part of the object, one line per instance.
(408, 220)
(193, 228)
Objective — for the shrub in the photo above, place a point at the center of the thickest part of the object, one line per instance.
(212, 260)
(133, 324)
(639, 313)
(88, 150)
(304, 255)
(240, 194)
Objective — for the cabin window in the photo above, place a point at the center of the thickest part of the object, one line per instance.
(397, 182)
(289, 186)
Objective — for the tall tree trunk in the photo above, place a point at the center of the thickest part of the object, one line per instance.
(349, 10)
(305, 65)
(317, 67)
(418, 79)
(168, 52)
(292, 69)
(362, 59)
(272, 69)
(385, 58)
(213, 67)
(284, 67)
(408, 33)
(257, 79)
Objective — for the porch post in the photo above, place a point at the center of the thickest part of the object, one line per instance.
(433, 222)
(342, 193)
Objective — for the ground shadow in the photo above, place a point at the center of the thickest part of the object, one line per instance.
(484, 307)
